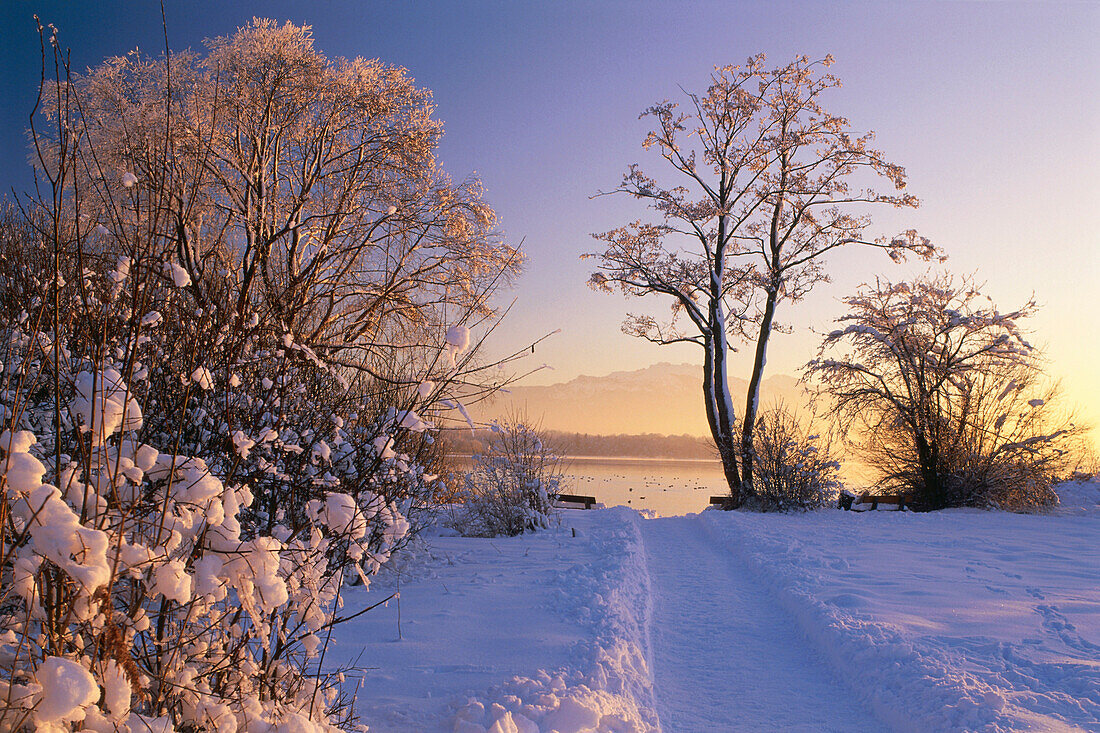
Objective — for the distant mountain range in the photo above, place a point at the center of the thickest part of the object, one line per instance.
(663, 398)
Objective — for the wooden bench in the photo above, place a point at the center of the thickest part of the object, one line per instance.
(866, 501)
(588, 501)
(721, 501)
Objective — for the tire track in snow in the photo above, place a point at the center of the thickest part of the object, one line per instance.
(725, 657)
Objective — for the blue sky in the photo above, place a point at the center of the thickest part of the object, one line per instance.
(991, 106)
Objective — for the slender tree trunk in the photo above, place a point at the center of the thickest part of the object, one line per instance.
(713, 387)
(760, 358)
(752, 399)
(720, 411)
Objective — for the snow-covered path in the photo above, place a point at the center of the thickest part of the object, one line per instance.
(724, 656)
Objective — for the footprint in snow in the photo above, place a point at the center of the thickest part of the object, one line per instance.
(1055, 622)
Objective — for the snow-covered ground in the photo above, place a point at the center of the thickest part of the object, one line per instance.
(723, 621)
(547, 626)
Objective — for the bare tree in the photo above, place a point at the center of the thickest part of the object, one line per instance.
(768, 184)
(945, 395)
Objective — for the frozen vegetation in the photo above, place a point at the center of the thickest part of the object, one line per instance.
(955, 620)
(214, 420)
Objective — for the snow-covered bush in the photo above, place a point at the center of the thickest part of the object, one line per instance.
(512, 484)
(140, 585)
(944, 396)
(209, 420)
(793, 469)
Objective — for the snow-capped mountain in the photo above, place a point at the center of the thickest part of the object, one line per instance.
(662, 398)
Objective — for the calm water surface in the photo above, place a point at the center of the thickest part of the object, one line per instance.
(667, 487)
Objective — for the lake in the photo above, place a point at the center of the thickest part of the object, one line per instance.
(665, 486)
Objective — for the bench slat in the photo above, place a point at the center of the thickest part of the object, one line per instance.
(869, 502)
(588, 501)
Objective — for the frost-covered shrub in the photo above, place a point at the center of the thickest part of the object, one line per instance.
(141, 587)
(512, 484)
(944, 396)
(792, 469)
(132, 597)
(295, 429)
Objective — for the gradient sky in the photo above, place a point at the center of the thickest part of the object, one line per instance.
(992, 107)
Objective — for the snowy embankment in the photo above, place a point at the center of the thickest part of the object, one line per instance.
(956, 620)
(540, 632)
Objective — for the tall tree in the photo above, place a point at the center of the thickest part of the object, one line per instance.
(769, 184)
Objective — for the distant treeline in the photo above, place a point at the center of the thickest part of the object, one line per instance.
(648, 445)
